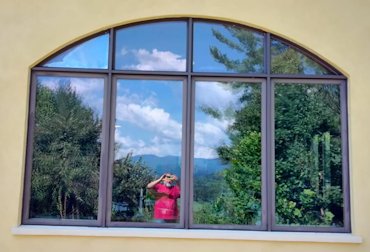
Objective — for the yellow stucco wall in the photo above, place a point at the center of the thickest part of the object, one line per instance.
(336, 30)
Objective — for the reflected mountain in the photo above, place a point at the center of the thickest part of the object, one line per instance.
(172, 164)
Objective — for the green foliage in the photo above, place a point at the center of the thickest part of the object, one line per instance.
(287, 60)
(245, 42)
(129, 182)
(66, 156)
(307, 154)
(307, 147)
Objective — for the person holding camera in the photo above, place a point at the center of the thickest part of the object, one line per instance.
(167, 193)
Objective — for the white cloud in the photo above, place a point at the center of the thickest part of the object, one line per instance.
(205, 152)
(153, 119)
(157, 146)
(155, 60)
(218, 95)
(208, 136)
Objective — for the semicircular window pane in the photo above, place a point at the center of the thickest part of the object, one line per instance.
(157, 46)
(288, 60)
(92, 53)
(227, 48)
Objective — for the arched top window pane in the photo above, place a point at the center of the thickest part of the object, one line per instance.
(288, 60)
(227, 48)
(92, 53)
(159, 46)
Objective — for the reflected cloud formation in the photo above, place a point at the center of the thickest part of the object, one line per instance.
(154, 60)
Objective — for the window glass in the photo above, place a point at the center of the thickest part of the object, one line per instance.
(152, 47)
(92, 53)
(66, 148)
(148, 144)
(227, 48)
(227, 153)
(308, 155)
(287, 60)
(184, 144)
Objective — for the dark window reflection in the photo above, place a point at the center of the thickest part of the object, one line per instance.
(308, 157)
(227, 153)
(287, 60)
(152, 47)
(66, 148)
(90, 54)
(148, 143)
(227, 48)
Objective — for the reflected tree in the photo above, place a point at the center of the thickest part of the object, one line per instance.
(244, 42)
(66, 155)
(307, 147)
(130, 179)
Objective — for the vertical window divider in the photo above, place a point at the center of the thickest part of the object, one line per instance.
(29, 150)
(264, 155)
(269, 138)
(271, 153)
(107, 200)
(345, 156)
(189, 124)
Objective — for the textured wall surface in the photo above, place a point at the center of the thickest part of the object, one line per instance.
(338, 31)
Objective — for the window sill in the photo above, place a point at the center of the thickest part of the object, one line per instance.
(34, 230)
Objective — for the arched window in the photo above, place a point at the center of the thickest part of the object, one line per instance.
(187, 123)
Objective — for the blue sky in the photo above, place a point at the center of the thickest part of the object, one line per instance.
(90, 54)
(149, 117)
(149, 112)
(156, 46)
(90, 90)
(204, 39)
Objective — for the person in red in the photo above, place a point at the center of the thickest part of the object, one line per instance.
(167, 193)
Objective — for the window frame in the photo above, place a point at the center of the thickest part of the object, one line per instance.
(185, 94)
(267, 80)
(344, 151)
(29, 153)
(263, 225)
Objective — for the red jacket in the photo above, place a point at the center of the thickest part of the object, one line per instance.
(165, 206)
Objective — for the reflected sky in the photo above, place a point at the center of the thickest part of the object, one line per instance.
(89, 90)
(204, 39)
(89, 54)
(149, 117)
(157, 46)
(211, 132)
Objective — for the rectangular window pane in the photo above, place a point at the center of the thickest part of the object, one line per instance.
(148, 145)
(66, 148)
(227, 153)
(308, 155)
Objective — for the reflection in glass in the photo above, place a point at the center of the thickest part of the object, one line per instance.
(308, 159)
(157, 46)
(148, 136)
(227, 153)
(287, 60)
(227, 48)
(92, 53)
(66, 148)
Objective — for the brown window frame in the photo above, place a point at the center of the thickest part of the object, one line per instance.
(110, 76)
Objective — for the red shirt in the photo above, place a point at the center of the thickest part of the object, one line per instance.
(165, 206)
